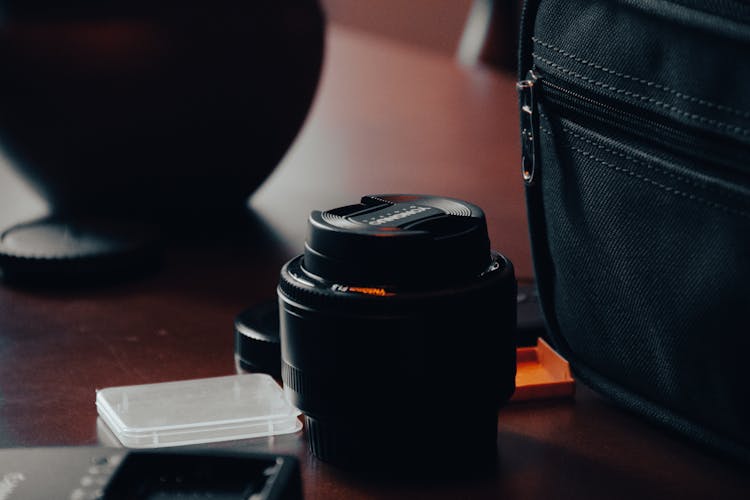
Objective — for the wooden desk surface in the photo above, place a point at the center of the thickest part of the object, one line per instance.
(388, 118)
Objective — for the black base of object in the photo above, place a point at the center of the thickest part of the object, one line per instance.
(418, 449)
(61, 251)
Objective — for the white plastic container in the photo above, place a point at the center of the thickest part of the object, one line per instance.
(197, 411)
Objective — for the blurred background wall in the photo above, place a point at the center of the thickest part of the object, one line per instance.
(436, 24)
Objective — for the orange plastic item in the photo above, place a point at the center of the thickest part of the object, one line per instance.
(541, 373)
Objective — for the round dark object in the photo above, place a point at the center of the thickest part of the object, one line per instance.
(256, 339)
(398, 334)
(160, 108)
(56, 251)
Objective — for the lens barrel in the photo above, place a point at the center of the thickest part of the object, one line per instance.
(398, 334)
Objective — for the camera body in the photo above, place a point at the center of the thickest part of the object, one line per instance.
(398, 334)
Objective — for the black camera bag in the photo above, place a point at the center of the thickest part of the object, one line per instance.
(635, 119)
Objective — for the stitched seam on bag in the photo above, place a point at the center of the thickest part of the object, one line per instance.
(676, 93)
(654, 168)
(648, 180)
(686, 114)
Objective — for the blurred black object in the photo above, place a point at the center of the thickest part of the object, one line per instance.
(154, 108)
(170, 475)
(54, 251)
(116, 473)
(257, 345)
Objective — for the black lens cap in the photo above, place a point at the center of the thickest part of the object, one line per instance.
(402, 239)
(257, 345)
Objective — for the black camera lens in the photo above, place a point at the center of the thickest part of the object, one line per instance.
(398, 333)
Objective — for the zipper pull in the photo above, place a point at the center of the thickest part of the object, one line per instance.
(529, 135)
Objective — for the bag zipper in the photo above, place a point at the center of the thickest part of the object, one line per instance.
(706, 145)
(529, 126)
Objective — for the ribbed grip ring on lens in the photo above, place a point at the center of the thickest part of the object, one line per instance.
(294, 379)
(326, 444)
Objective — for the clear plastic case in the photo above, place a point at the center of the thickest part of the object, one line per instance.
(197, 411)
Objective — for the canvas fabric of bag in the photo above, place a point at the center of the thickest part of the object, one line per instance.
(637, 128)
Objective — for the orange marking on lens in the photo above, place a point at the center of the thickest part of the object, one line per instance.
(380, 292)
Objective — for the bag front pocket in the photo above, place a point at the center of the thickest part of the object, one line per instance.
(647, 225)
